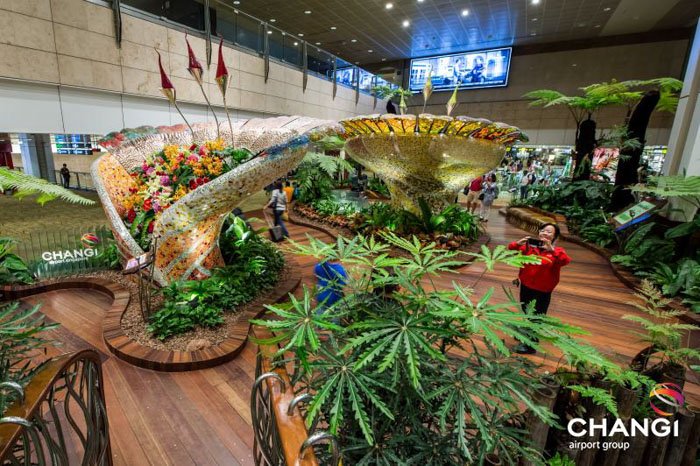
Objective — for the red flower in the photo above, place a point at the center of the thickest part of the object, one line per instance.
(147, 205)
(151, 226)
(202, 150)
(200, 182)
(193, 147)
(131, 215)
(193, 184)
(205, 180)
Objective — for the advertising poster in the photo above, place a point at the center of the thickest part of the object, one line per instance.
(485, 68)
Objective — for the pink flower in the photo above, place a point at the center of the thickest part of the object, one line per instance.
(165, 180)
(150, 170)
(192, 158)
(156, 206)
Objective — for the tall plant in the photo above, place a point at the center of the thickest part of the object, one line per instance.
(417, 375)
(316, 175)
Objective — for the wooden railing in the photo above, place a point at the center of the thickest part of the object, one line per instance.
(61, 418)
(281, 437)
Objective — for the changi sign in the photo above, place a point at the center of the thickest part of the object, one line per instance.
(89, 241)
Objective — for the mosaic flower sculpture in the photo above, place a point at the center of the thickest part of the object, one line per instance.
(159, 188)
(428, 156)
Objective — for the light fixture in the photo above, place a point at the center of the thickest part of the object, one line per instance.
(406, 23)
(353, 40)
(389, 6)
(533, 33)
(370, 51)
(534, 19)
(318, 43)
(296, 43)
(333, 28)
(307, 12)
(573, 64)
(236, 2)
(301, 34)
(357, 62)
(272, 20)
(465, 12)
(383, 59)
(597, 26)
(535, 2)
(420, 1)
(607, 9)
(269, 32)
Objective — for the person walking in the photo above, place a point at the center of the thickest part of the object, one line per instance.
(65, 176)
(538, 281)
(473, 191)
(278, 203)
(524, 182)
(289, 191)
(489, 191)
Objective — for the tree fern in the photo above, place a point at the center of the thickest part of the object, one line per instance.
(27, 185)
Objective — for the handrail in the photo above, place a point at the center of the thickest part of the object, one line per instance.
(281, 436)
(63, 413)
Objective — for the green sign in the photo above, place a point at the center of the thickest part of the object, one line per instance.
(634, 212)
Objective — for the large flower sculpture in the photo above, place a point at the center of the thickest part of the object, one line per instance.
(430, 157)
(162, 191)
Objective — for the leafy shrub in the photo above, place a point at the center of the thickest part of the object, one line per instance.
(386, 381)
(253, 266)
(378, 186)
(20, 339)
(13, 270)
(315, 176)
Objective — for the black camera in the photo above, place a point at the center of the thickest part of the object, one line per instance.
(538, 243)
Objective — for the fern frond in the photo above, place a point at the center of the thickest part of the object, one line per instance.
(27, 185)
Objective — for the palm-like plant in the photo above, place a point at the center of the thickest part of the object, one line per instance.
(315, 175)
(420, 375)
(27, 185)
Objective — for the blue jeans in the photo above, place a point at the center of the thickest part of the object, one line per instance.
(280, 222)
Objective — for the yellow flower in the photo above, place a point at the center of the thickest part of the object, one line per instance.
(215, 145)
(171, 151)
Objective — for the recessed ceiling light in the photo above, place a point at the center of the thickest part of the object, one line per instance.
(535, 2)
(333, 28)
(533, 33)
(389, 6)
(581, 25)
(236, 2)
(370, 51)
(384, 59)
(307, 12)
(269, 32)
(357, 62)
(272, 20)
(607, 9)
(406, 23)
(353, 40)
(301, 34)
(573, 64)
(465, 12)
(296, 43)
(318, 43)
(420, 1)
(534, 19)
(597, 26)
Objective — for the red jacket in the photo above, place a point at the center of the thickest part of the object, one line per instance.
(475, 185)
(545, 276)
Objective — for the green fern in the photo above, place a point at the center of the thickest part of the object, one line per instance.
(27, 185)
(501, 254)
(599, 396)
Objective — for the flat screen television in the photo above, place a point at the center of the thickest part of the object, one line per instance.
(468, 70)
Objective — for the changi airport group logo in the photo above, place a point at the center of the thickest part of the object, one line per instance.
(665, 400)
(666, 396)
(89, 241)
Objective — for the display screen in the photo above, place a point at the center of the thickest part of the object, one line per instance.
(346, 76)
(470, 70)
(365, 83)
(73, 144)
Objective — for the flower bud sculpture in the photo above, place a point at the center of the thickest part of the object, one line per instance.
(168, 91)
(196, 70)
(222, 80)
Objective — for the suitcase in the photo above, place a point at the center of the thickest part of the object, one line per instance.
(276, 234)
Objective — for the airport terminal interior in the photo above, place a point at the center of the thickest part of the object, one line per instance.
(359, 232)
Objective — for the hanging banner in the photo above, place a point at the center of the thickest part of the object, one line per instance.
(266, 52)
(335, 72)
(305, 66)
(117, 10)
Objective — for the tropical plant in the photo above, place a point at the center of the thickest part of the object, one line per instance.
(663, 334)
(315, 176)
(27, 185)
(420, 374)
(21, 338)
(378, 186)
(644, 249)
(13, 270)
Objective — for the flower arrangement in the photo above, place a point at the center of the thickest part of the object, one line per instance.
(168, 175)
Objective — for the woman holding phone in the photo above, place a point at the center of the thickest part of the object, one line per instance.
(537, 281)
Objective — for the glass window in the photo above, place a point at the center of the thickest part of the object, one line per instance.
(248, 32)
(292, 50)
(186, 12)
(320, 61)
(276, 41)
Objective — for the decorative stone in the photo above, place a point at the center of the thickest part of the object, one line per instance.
(198, 344)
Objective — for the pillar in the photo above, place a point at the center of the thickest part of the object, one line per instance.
(37, 156)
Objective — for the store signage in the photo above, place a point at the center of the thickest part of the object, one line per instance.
(89, 241)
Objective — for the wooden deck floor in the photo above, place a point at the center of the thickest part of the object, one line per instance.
(203, 417)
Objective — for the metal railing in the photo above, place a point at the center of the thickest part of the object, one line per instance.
(278, 424)
(61, 418)
(77, 180)
(213, 18)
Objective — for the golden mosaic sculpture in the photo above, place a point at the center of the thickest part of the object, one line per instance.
(430, 157)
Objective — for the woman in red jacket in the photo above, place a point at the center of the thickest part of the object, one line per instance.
(537, 281)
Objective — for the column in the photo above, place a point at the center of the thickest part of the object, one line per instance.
(37, 156)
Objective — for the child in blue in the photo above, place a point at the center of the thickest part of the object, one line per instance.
(331, 276)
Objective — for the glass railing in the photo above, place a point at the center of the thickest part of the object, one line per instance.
(248, 32)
